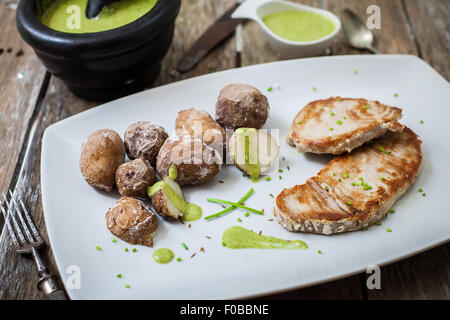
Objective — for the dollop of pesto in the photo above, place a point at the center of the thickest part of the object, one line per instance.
(163, 255)
(69, 15)
(301, 26)
(239, 238)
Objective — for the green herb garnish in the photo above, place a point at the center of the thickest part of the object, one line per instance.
(184, 246)
(378, 223)
(421, 121)
(319, 252)
(246, 214)
(389, 230)
(269, 89)
(345, 175)
(339, 122)
(420, 190)
(314, 88)
(299, 122)
(280, 170)
(127, 286)
(134, 250)
(331, 129)
(392, 210)
(227, 210)
(280, 177)
(239, 219)
(98, 248)
(126, 249)
(349, 203)
(332, 114)
(234, 204)
(119, 275)
(178, 259)
(268, 178)
(395, 94)
(113, 240)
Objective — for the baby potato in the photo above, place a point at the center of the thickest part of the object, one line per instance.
(241, 106)
(196, 161)
(130, 220)
(101, 154)
(253, 151)
(164, 207)
(200, 125)
(143, 140)
(133, 178)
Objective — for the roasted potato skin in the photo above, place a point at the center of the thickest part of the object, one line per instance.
(130, 220)
(193, 167)
(133, 178)
(101, 154)
(160, 204)
(143, 140)
(200, 125)
(241, 106)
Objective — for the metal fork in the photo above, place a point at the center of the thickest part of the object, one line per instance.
(18, 222)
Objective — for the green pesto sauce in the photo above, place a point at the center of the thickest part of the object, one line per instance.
(240, 238)
(191, 211)
(69, 15)
(300, 26)
(249, 139)
(163, 255)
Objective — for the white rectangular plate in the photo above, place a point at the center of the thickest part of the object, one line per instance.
(75, 212)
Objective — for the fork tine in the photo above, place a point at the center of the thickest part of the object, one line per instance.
(36, 234)
(10, 214)
(23, 224)
(8, 224)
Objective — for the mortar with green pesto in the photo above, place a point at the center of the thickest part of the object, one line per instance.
(117, 53)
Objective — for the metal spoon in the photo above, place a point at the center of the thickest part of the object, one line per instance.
(356, 31)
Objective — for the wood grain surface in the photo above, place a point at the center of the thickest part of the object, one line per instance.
(31, 100)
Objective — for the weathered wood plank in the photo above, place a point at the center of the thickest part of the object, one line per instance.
(424, 276)
(430, 24)
(21, 76)
(194, 19)
(394, 35)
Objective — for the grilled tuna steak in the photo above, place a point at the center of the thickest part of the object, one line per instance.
(336, 125)
(353, 190)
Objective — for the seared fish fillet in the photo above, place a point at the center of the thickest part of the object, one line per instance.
(353, 190)
(336, 125)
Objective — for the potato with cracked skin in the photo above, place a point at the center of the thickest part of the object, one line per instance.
(133, 178)
(101, 154)
(241, 106)
(164, 207)
(130, 220)
(143, 140)
(200, 125)
(196, 161)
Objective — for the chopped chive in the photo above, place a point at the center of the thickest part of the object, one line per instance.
(127, 286)
(280, 177)
(319, 252)
(326, 188)
(246, 214)
(420, 190)
(367, 187)
(361, 183)
(134, 250)
(184, 246)
(424, 194)
(234, 204)
(355, 71)
(339, 180)
(113, 240)
(119, 275)
(239, 219)
(345, 175)
(381, 178)
(268, 178)
(331, 129)
(378, 223)
(224, 244)
(227, 210)
(365, 228)
(332, 114)
(345, 118)
(269, 89)
(354, 184)
(395, 94)
(98, 248)
(299, 122)
(349, 203)
(280, 170)
(339, 122)
(126, 249)
(334, 174)
(360, 178)
(338, 99)
(392, 210)
(365, 107)
(421, 121)
(381, 149)
(178, 259)
(389, 230)
(314, 88)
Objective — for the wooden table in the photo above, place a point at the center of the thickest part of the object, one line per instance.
(31, 100)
